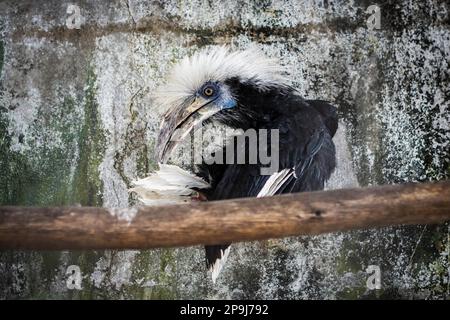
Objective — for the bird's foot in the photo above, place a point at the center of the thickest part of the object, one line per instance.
(198, 196)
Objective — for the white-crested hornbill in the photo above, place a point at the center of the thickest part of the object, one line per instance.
(242, 90)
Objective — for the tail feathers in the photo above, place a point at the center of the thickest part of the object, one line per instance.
(169, 185)
(216, 256)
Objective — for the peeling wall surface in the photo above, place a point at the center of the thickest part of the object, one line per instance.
(77, 125)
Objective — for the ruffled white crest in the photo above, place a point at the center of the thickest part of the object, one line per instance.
(219, 64)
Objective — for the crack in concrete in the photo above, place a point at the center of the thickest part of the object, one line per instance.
(127, 4)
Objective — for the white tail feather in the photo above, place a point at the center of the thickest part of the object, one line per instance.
(169, 185)
(218, 264)
(272, 185)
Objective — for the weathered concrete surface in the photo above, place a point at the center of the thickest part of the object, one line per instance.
(77, 124)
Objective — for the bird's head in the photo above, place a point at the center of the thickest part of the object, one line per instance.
(214, 85)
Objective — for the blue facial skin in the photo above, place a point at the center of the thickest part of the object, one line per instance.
(222, 98)
(228, 103)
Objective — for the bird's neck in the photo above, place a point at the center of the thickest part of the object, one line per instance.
(258, 109)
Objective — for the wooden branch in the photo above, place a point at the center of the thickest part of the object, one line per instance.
(223, 221)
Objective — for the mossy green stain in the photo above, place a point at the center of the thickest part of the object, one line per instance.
(2, 54)
(92, 144)
(53, 175)
(40, 175)
(14, 169)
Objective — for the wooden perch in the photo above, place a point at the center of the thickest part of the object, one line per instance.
(223, 221)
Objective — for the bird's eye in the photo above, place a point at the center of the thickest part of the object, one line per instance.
(208, 91)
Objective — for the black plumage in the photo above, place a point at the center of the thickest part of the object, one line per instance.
(242, 90)
(306, 128)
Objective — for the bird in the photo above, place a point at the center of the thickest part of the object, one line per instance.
(243, 90)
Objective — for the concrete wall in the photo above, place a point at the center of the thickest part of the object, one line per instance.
(77, 124)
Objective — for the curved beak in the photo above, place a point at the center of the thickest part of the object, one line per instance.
(179, 121)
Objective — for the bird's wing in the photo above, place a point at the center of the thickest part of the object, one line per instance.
(306, 158)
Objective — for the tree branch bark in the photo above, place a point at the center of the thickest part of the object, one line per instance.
(223, 221)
